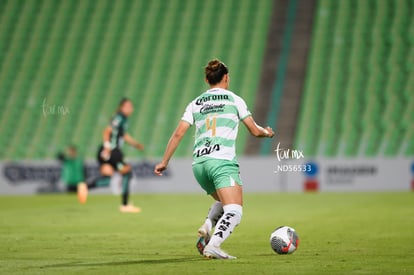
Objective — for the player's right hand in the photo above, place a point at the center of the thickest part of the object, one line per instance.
(159, 168)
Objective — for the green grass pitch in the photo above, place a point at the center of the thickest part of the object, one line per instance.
(349, 233)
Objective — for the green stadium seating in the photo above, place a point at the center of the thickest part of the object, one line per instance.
(84, 56)
(359, 84)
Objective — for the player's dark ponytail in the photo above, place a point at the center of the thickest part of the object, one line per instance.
(215, 71)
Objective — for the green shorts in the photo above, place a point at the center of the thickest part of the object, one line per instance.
(214, 174)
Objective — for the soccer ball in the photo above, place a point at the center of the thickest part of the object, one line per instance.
(284, 240)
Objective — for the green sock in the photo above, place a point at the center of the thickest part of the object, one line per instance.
(125, 188)
(100, 181)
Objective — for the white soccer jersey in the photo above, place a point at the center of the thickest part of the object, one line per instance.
(216, 115)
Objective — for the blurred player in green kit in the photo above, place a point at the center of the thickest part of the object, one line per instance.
(73, 170)
(111, 158)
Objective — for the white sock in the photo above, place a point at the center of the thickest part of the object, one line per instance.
(214, 214)
(226, 224)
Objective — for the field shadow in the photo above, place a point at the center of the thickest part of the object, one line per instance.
(124, 263)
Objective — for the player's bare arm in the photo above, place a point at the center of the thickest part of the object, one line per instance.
(131, 141)
(256, 130)
(172, 146)
(106, 134)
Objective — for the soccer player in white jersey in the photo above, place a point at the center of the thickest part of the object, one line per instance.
(216, 114)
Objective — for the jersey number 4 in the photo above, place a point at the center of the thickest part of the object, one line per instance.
(211, 125)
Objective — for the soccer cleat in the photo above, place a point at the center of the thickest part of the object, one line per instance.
(129, 209)
(82, 190)
(204, 238)
(213, 252)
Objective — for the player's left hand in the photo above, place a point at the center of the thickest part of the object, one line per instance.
(270, 131)
(139, 146)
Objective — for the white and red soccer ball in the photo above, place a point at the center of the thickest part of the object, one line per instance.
(284, 240)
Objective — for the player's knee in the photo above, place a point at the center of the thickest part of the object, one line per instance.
(126, 169)
(107, 170)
